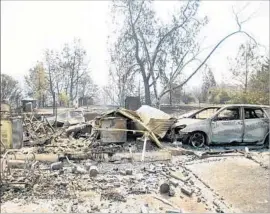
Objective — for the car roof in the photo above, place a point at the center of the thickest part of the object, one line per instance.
(238, 105)
(247, 105)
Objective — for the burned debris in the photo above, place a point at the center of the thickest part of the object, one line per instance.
(113, 157)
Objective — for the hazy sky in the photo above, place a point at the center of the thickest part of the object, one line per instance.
(28, 27)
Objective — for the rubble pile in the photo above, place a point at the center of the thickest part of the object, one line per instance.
(112, 182)
(36, 132)
(106, 165)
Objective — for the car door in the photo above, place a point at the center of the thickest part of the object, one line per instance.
(227, 126)
(256, 124)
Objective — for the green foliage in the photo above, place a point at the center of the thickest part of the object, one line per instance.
(245, 64)
(208, 83)
(252, 73)
(260, 83)
(61, 72)
(223, 97)
(257, 94)
(10, 90)
(63, 98)
(218, 96)
(36, 81)
(250, 97)
(259, 88)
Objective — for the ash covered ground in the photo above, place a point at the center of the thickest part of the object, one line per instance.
(172, 179)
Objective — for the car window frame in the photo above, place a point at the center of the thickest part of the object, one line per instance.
(266, 111)
(214, 118)
(254, 108)
(203, 109)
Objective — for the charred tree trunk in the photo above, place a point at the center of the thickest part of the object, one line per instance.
(147, 93)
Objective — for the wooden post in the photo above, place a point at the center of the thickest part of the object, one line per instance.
(144, 146)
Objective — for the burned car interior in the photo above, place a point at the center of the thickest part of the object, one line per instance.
(228, 114)
(252, 113)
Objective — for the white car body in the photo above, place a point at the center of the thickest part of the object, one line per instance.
(246, 124)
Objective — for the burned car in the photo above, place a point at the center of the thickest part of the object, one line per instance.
(238, 123)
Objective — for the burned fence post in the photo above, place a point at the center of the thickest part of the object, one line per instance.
(144, 146)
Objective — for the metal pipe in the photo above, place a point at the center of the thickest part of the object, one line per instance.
(124, 130)
(144, 147)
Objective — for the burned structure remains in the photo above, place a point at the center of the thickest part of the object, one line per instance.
(122, 156)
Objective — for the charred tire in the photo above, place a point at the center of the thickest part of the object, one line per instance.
(266, 142)
(197, 139)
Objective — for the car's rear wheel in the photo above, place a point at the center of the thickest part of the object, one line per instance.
(197, 139)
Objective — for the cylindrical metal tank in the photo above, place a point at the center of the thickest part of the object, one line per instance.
(6, 126)
(6, 133)
(5, 107)
(113, 136)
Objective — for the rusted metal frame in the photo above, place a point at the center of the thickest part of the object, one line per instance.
(49, 124)
(31, 121)
(6, 169)
(28, 122)
(151, 134)
(28, 125)
(124, 130)
(130, 116)
(40, 125)
(5, 159)
(128, 130)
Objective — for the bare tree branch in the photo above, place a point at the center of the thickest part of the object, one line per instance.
(154, 80)
(136, 42)
(236, 14)
(138, 16)
(237, 19)
(168, 33)
(145, 47)
(209, 55)
(243, 8)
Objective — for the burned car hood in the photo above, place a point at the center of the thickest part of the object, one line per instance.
(186, 121)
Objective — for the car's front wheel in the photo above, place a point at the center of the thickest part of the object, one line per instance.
(197, 139)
